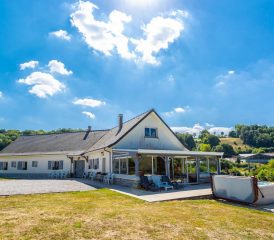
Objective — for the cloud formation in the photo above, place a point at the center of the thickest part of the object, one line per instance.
(1, 95)
(58, 67)
(89, 102)
(197, 128)
(158, 34)
(108, 36)
(31, 64)
(89, 114)
(176, 110)
(43, 84)
(102, 36)
(61, 34)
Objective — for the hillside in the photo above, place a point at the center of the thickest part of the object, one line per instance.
(236, 143)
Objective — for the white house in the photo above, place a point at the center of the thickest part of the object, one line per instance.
(143, 144)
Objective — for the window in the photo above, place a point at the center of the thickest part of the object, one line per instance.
(55, 165)
(96, 163)
(34, 163)
(90, 164)
(116, 166)
(151, 132)
(3, 165)
(22, 165)
(13, 164)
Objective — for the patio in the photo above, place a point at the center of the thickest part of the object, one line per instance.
(189, 191)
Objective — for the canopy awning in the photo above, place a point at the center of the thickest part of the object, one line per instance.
(174, 153)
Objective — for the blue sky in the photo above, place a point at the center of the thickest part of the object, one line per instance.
(73, 64)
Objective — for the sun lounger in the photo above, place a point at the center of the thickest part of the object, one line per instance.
(160, 184)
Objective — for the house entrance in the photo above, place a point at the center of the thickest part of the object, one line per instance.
(79, 168)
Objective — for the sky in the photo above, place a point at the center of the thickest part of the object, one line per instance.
(199, 64)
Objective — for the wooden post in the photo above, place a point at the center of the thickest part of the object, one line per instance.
(208, 170)
(119, 166)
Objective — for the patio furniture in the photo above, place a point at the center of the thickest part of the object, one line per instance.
(108, 178)
(93, 176)
(147, 185)
(160, 184)
(173, 183)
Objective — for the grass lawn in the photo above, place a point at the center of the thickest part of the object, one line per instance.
(103, 214)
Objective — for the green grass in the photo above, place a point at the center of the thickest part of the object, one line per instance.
(103, 214)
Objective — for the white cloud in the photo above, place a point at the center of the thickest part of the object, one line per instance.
(176, 110)
(197, 128)
(219, 130)
(31, 64)
(89, 114)
(159, 33)
(43, 84)
(58, 67)
(171, 79)
(103, 36)
(209, 125)
(62, 34)
(223, 79)
(89, 102)
(108, 36)
(1, 95)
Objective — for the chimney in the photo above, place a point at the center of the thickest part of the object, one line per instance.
(87, 133)
(120, 122)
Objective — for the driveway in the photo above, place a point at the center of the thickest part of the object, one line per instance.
(15, 187)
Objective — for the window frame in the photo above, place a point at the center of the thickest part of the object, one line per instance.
(34, 164)
(150, 133)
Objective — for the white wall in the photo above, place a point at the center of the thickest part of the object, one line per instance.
(42, 163)
(99, 154)
(136, 138)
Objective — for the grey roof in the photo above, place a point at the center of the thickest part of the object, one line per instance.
(113, 136)
(72, 143)
(64, 142)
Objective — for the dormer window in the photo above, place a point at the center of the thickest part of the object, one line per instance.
(151, 132)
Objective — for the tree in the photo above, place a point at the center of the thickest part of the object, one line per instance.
(212, 140)
(204, 134)
(226, 149)
(187, 140)
(205, 147)
(232, 134)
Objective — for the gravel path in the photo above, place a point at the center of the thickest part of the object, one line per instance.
(14, 187)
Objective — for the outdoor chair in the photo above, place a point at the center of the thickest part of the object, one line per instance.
(147, 185)
(108, 178)
(173, 183)
(93, 176)
(160, 184)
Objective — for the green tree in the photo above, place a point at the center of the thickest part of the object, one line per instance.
(226, 149)
(212, 140)
(187, 140)
(205, 147)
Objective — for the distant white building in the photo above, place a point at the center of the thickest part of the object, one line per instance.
(143, 144)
